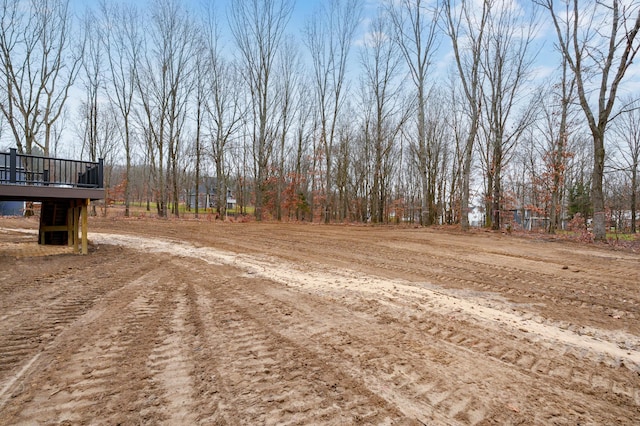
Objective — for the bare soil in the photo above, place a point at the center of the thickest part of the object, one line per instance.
(196, 322)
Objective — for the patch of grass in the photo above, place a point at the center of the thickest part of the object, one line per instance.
(141, 208)
(247, 210)
(622, 236)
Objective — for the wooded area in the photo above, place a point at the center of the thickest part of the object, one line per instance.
(525, 113)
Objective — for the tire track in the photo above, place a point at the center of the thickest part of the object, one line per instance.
(269, 379)
(610, 290)
(171, 365)
(34, 326)
(320, 277)
(445, 396)
(424, 398)
(33, 323)
(517, 283)
(98, 375)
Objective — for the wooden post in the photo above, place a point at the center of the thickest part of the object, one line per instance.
(70, 223)
(41, 229)
(42, 224)
(85, 244)
(76, 225)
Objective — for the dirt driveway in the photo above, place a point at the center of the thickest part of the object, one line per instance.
(184, 322)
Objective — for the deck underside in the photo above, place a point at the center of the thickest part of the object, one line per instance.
(42, 193)
(63, 216)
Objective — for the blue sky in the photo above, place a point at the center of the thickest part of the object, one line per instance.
(304, 9)
(545, 65)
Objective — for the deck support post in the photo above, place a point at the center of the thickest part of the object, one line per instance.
(76, 226)
(70, 237)
(84, 209)
(41, 231)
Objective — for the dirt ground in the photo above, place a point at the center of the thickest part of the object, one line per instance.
(186, 322)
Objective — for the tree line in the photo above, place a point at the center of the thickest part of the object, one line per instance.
(422, 113)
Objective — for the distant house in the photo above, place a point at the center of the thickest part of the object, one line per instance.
(526, 219)
(476, 216)
(207, 195)
(621, 220)
(211, 199)
(231, 200)
(530, 220)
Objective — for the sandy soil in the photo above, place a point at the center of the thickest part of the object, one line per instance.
(185, 322)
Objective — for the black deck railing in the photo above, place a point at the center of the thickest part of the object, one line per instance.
(21, 169)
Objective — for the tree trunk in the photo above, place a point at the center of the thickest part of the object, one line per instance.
(556, 192)
(197, 177)
(327, 196)
(497, 184)
(281, 174)
(634, 195)
(259, 191)
(297, 192)
(495, 202)
(466, 177)
(424, 217)
(555, 204)
(597, 195)
(488, 201)
(221, 189)
(127, 182)
(433, 207)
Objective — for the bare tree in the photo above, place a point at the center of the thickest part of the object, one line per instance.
(98, 129)
(164, 82)
(599, 42)
(457, 124)
(382, 92)
(38, 67)
(556, 129)
(206, 45)
(466, 27)
(200, 98)
(107, 129)
(506, 64)
(122, 42)
(344, 164)
(329, 36)
(289, 70)
(430, 154)
(91, 75)
(626, 129)
(416, 34)
(302, 135)
(258, 27)
(225, 113)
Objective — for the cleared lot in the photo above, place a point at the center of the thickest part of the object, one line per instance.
(183, 322)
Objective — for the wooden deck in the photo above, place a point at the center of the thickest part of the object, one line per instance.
(40, 193)
(65, 189)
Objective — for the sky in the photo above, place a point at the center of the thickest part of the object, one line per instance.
(546, 62)
(304, 10)
(545, 65)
